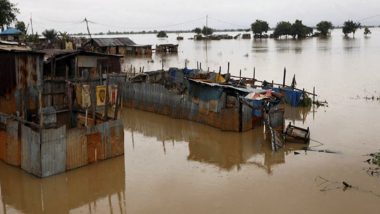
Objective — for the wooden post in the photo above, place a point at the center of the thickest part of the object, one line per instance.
(200, 66)
(313, 94)
(162, 64)
(254, 73)
(283, 80)
(240, 75)
(228, 68)
(253, 79)
(40, 108)
(143, 69)
(107, 99)
(93, 101)
(118, 102)
(208, 69)
(220, 70)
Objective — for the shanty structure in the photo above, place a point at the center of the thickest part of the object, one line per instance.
(10, 34)
(41, 109)
(167, 48)
(123, 46)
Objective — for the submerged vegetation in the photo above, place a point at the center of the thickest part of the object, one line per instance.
(162, 34)
(350, 27)
(367, 31)
(259, 27)
(297, 30)
(207, 31)
(324, 28)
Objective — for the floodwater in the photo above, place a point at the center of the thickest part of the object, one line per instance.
(177, 166)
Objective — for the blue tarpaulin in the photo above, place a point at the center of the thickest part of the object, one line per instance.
(258, 107)
(292, 97)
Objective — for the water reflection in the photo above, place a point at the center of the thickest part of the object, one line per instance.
(80, 189)
(260, 45)
(350, 43)
(324, 44)
(226, 150)
(299, 114)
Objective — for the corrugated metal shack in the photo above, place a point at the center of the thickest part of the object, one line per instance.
(41, 110)
(21, 75)
(124, 46)
(190, 94)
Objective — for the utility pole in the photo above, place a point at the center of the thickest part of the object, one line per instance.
(31, 23)
(88, 29)
(206, 21)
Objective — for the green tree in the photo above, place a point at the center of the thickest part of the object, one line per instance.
(20, 25)
(162, 34)
(324, 27)
(299, 30)
(282, 29)
(350, 27)
(50, 35)
(366, 31)
(207, 31)
(32, 38)
(8, 12)
(197, 30)
(259, 27)
(64, 36)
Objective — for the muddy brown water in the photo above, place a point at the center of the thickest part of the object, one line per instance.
(177, 166)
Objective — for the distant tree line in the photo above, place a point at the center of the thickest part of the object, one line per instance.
(298, 30)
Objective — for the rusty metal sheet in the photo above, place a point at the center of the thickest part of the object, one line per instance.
(76, 152)
(95, 150)
(116, 138)
(12, 144)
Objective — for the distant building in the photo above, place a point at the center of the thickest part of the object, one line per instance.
(123, 46)
(10, 34)
(167, 48)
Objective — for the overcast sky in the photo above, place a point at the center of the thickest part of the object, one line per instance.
(127, 15)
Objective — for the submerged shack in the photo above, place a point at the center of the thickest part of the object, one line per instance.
(123, 46)
(204, 97)
(223, 101)
(167, 48)
(54, 110)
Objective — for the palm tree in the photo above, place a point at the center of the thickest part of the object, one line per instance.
(51, 35)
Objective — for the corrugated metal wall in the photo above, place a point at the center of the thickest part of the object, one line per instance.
(76, 148)
(43, 154)
(53, 151)
(208, 108)
(105, 141)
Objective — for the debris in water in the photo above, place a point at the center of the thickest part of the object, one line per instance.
(326, 185)
(374, 160)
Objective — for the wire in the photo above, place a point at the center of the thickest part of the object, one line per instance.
(230, 23)
(149, 27)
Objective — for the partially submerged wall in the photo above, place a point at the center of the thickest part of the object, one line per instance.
(205, 105)
(46, 152)
(10, 144)
(43, 152)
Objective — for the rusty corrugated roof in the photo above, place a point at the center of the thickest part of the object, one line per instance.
(113, 42)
